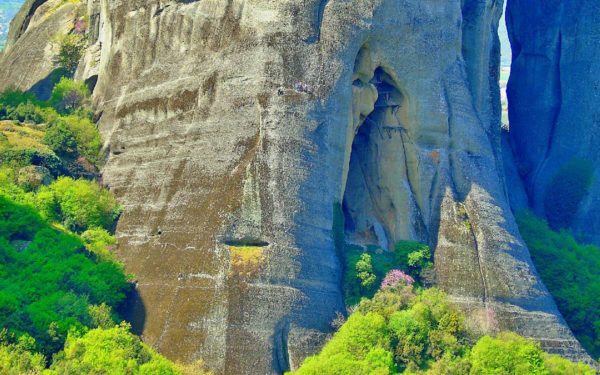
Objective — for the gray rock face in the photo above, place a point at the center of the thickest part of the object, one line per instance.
(553, 96)
(27, 61)
(233, 131)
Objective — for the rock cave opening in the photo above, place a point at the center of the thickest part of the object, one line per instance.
(378, 203)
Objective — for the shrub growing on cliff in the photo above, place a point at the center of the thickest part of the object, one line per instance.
(413, 256)
(68, 95)
(364, 271)
(109, 351)
(84, 204)
(84, 133)
(47, 282)
(60, 139)
(70, 50)
(572, 274)
(403, 330)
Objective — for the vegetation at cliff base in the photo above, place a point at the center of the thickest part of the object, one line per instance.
(571, 272)
(60, 285)
(405, 330)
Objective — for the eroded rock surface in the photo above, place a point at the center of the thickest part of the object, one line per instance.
(27, 61)
(235, 128)
(553, 97)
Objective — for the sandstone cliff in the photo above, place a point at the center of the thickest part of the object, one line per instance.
(234, 128)
(553, 92)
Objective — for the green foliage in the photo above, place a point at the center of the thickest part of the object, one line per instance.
(420, 332)
(68, 95)
(25, 107)
(110, 351)
(70, 50)
(12, 98)
(20, 358)
(397, 330)
(556, 365)
(508, 353)
(364, 271)
(85, 134)
(47, 283)
(566, 191)
(69, 130)
(60, 139)
(413, 256)
(98, 241)
(57, 286)
(572, 274)
(80, 205)
(84, 204)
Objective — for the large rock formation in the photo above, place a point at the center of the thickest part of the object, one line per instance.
(554, 116)
(27, 61)
(236, 129)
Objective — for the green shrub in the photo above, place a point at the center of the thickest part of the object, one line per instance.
(571, 272)
(60, 139)
(566, 191)
(364, 271)
(411, 331)
(413, 257)
(68, 95)
(84, 204)
(86, 136)
(48, 285)
(70, 50)
(98, 241)
(508, 353)
(19, 358)
(110, 351)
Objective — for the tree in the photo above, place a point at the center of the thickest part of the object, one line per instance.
(68, 95)
(60, 139)
(70, 51)
(113, 351)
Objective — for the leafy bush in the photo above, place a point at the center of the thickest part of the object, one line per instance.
(70, 50)
(566, 191)
(67, 135)
(110, 351)
(60, 139)
(84, 204)
(86, 136)
(47, 282)
(572, 274)
(509, 353)
(413, 256)
(97, 241)
(364, 271)
(19, 358)
(68, 95)
(410, 331)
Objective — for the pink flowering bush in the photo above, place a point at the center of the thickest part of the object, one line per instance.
(396, 277)
(80, 26)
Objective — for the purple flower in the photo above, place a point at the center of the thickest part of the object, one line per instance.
(396, 277)
(80, 26)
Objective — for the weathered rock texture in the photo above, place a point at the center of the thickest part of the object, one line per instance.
(27, 61)
(553, 96)
(239, 126)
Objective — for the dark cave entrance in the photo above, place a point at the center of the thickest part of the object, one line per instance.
(373, 192)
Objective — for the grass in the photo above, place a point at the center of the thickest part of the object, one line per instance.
(246, 260)
(21, 137)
